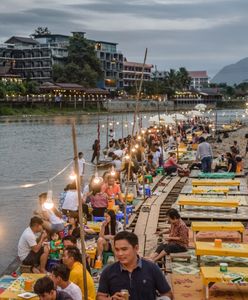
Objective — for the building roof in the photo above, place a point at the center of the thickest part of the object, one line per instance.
(21, 39)
(103, 42)
(50, 35)
(136, 64)
(198, 74)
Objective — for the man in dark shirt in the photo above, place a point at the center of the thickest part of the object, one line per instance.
(231, 163)
(45, 289)
(141, 278)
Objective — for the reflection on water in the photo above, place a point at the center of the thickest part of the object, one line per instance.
(35, 148)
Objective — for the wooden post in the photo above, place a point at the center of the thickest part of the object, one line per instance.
(80, 210)
(132, 139)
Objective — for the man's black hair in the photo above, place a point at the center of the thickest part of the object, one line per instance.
(35, 221)
(173, 214)
(61, 271)
(128, 236)
(74, 252)
(44, 285)
(70, 238)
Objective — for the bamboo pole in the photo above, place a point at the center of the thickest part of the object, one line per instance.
(80, 210)
(132, 136)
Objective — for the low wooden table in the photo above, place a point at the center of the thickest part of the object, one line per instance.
(209, 202)
(217, 182)
(96, 226)
(224, 175)
(218, 226)
(227, 249)
(16, 288)
(210, 190)
(212, 275)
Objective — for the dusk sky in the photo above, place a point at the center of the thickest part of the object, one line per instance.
(196, 34)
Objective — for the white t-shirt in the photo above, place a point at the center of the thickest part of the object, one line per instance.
(117, 164)
(73, 290)
(53, 218)
(81, 165)
(71, 200)
(26, 242)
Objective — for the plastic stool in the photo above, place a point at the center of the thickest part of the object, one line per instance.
(106, 255)
(98, 219)
(148, 179)
(160, 171)
(120, 216)
(129, 209)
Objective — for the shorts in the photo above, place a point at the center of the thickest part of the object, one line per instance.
(57, 227)
(170, 248)
(33, 258)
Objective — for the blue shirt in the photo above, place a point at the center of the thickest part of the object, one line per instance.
(142, 283)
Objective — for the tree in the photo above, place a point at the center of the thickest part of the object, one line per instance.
(41, 31)
(81, 66)
(183, 79)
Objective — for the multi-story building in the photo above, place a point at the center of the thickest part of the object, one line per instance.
(112, 65)
(33, 58)
(199, 80)
(132, 72)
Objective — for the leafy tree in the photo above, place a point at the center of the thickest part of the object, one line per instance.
(41, 31)
(2, 90)
(31, 87)
(81, 66)
(183, 79)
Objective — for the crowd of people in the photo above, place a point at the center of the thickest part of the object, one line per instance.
(54, 234)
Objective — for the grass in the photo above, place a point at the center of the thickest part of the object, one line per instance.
(6, 110)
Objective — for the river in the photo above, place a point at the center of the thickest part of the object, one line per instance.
(33, 149)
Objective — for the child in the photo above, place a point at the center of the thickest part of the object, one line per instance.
(55, 246)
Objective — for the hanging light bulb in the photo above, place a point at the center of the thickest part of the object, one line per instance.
(110, 124)
(143, 131)
(136, 146)
(48, 204)
(103, 125)
(144, 117)
(126, 125)
(73, 176)
(139, 137)
(97, 179)
(117, 123)
(127, 157)
(113, 173)
(133, 149)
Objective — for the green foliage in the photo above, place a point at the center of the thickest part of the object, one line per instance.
(82, 65)
(31, 87)
(41, 31)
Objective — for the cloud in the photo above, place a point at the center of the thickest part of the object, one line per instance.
(194, 33)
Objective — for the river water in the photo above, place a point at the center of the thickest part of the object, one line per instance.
(33, 149)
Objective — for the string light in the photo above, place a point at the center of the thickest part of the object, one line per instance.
(136, 146)
(127, 157)
(139, 137)
(133, 149)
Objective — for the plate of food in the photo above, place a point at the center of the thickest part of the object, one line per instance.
(27, 295)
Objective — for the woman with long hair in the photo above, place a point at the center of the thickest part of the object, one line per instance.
(110, 227)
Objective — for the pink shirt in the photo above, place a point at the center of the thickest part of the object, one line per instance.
(99, 200)
(170, 163)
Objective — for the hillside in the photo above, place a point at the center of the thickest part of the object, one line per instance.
(234, 73)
